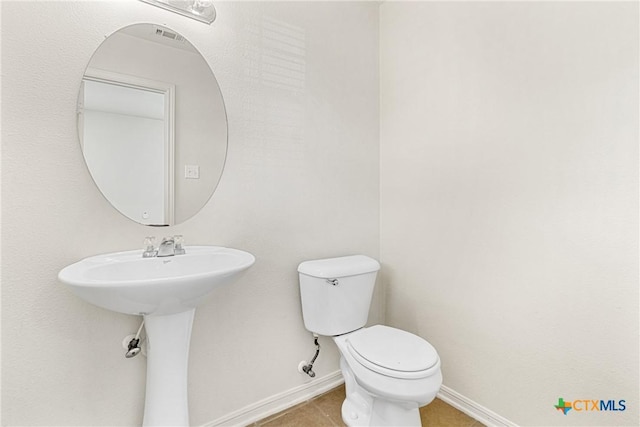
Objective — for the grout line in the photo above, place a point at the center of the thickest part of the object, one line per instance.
(324, 413)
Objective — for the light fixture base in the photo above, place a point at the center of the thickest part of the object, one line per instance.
(200, 10)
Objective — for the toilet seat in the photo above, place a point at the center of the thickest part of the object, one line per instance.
(393, 352)
(418, 387)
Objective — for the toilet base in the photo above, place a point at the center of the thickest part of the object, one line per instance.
(361, 409)
(381, 414)
(388, 413)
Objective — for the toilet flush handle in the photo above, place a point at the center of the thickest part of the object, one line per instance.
(333, 282)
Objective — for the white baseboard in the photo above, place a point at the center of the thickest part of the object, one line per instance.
(281, 401)
(278, 402)
(473, 409)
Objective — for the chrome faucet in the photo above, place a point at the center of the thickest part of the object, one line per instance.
(170, 246)
(167, 247)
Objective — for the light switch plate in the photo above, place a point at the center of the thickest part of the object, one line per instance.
(192, 171)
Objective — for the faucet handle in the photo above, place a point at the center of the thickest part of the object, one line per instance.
(149, 242)
(149, 247)
(178, 242)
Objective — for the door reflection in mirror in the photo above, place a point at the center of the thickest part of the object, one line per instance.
(128, 146)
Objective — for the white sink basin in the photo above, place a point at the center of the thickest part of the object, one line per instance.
(127, 283)
(166, 291)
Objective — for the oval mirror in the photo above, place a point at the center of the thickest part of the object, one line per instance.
(152, 124)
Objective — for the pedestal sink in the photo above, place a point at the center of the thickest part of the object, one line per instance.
(166, 291)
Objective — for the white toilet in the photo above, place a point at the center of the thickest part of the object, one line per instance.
(389, 373)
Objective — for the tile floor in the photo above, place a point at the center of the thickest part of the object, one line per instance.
(325, 411)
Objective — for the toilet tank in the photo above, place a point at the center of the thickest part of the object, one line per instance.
(336, 293)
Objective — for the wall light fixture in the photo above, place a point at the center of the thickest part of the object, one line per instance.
(200, 10)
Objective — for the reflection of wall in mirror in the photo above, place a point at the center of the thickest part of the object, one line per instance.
(200, 137)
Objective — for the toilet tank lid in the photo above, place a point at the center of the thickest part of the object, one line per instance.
(332, 268)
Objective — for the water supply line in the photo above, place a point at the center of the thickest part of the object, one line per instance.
(308, 369)
(134, 345)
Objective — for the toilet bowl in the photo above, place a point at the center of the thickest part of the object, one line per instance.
(389, 373)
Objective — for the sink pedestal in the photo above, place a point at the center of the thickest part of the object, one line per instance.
(168, 289)
(168, 339)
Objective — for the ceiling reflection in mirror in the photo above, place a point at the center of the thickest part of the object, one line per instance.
(152, 125)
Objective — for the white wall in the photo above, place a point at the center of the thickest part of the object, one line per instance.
(301, 182)
(509, 199)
